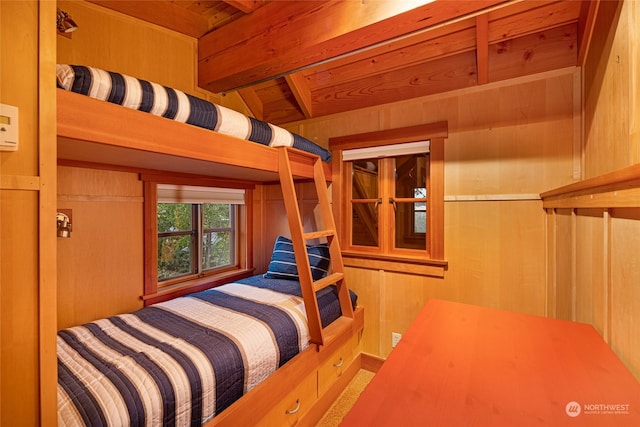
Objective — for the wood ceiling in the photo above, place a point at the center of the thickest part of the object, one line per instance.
(292, 60)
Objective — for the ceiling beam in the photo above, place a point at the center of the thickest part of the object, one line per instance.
(247, 6)
(482, 48)
(282, 37)
(301, 92)
(253, 102)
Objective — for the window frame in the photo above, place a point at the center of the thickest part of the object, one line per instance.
(153, 292)
(196, 237)
(400, 260)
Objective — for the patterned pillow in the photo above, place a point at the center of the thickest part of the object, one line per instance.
(283, 261)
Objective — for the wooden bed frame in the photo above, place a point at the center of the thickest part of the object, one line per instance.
(90, 132)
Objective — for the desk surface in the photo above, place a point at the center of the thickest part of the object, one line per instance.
(464, 365)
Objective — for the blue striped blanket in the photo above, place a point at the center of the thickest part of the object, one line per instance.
(174, 104)
(183, 361)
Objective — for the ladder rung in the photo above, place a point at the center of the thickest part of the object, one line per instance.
(319, 234)
(327, 280)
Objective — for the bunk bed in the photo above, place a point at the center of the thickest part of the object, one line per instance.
(126, 133)
(90, 130)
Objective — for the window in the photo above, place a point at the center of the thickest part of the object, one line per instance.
(195, 236)
(391, 192)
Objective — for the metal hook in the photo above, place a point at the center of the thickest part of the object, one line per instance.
(393, 202)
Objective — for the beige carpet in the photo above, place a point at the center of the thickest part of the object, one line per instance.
(347, 398)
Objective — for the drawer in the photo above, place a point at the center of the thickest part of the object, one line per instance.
(294, 406)
(332, 368)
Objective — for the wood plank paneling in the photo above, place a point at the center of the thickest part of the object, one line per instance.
(27, 258)
(366, 284)
(454, 72)
(595, 250)
(591, 292)
(116, 42)
(625, 292)
(607, 87)
(552, 49)
(606, 263)
(19, 307)
(100, 267)
(563, 263)
(521, 145)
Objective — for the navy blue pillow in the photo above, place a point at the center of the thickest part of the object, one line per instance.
(283, 261)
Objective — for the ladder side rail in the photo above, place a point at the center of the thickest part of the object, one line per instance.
(334, 244)
(299, 247)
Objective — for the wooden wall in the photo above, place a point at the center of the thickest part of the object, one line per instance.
(27, 217)
(101, 266)
(612, 90)
(19, 227)
(507, 143)
(120, 43)
(593, 244)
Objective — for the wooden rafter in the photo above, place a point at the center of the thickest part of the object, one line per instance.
(253, 102)
(300, 89)
(283, 37)
(247, 6)
(482, 48)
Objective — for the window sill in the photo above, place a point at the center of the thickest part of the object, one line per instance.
(400, 264)
(200, 284)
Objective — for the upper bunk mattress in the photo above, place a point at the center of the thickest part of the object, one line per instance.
(176, 105)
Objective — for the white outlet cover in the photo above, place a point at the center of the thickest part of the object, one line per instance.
(395, 338)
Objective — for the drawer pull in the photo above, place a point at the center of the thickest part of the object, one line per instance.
(294, 410)
(339, 364)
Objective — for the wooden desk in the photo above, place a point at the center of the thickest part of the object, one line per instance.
(463, 365)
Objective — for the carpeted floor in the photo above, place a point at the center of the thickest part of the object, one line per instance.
(347, 398)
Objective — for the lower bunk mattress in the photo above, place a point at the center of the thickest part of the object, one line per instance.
(183, 361)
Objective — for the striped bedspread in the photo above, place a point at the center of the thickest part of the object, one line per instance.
(174, 104)
(182, 361)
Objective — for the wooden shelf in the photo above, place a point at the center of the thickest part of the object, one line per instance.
(617, 189)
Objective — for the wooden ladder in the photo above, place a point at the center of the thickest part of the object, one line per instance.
(318, 334)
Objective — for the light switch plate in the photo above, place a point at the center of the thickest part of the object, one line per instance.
(8, 127)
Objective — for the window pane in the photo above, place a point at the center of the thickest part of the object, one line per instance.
(217, 249)
(174, 217)
(406, 224)
(216, 215)
(420, 222)
(364, 224)
(410, 174)
(365, 179)
(174, 256)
